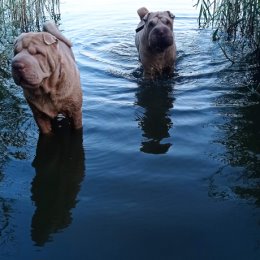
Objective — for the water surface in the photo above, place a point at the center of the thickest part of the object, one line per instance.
(162, 170)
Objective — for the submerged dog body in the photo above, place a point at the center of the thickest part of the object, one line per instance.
(155, 42)
(44, 65)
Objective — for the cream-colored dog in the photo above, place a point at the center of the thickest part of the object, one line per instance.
(44, 65)
(155, 42)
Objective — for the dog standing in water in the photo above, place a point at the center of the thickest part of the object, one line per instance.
(155, 42)
(44, 66)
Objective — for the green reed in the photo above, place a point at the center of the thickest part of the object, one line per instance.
(236, 23)
(27, 15)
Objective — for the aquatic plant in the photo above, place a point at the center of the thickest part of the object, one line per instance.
(236, 23)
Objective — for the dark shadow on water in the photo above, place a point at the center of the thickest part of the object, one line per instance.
(7, 232)
(156, 99)
(59, 167)
(13, 141)
(239, 134)
(13, 124)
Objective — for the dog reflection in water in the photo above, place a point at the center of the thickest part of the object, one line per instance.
(59, 167)
(155, 120)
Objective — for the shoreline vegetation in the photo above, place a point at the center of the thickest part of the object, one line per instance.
(236, 25)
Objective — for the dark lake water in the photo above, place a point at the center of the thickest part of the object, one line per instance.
(163, 170)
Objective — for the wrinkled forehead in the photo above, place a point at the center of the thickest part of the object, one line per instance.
(159, 15)
(27, 39)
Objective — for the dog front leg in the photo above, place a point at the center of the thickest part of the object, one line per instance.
(42, 120)
(77, 119)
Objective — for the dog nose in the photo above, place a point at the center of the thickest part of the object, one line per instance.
(160, 31)
(16, 65)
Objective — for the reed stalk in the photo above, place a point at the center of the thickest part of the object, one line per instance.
(236, 23)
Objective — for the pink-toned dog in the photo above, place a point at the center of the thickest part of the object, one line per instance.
(45, 67)
(155, 42)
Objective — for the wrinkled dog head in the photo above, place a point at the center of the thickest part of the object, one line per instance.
(156, 29)
(34, 58)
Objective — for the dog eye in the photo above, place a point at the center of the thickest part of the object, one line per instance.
(169, 24)
(151, 24)
(17, 49)
(166, 21)
(38, 51)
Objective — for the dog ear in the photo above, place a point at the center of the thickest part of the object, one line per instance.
(171, 14)
(18, 38)
(142, 23)
(49, 39)
(145, 18)
(18, 44)
(142, 12)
